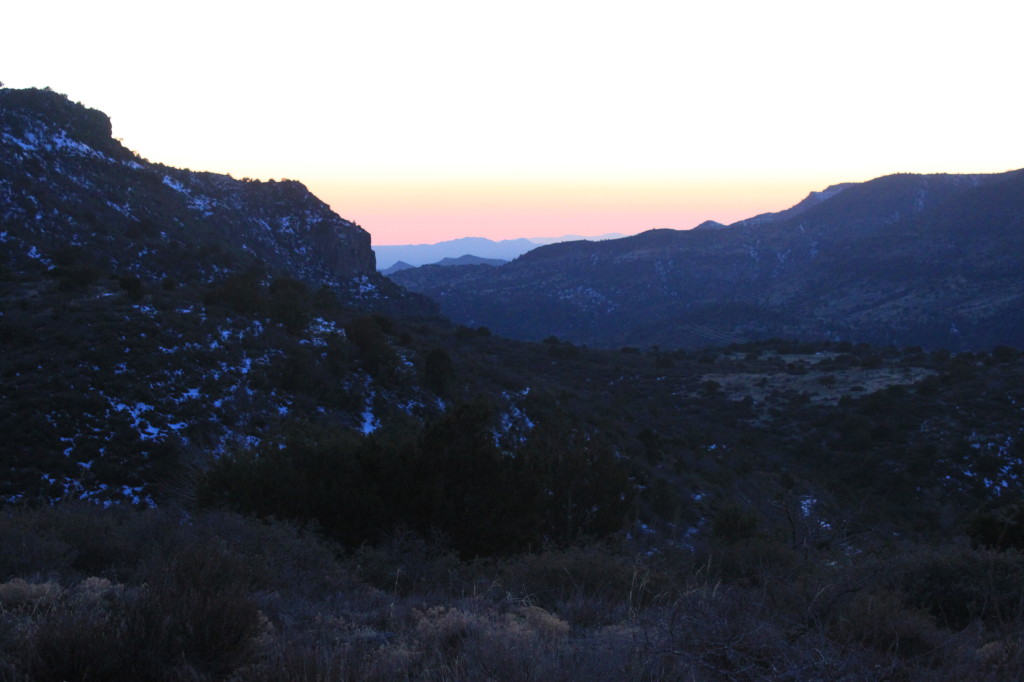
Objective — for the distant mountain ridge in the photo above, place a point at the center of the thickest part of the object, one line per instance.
(505, 249)
(931, 260)
(447, 262)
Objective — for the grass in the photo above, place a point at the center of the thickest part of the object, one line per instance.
(216, 596)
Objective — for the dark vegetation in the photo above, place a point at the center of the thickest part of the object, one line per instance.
(161, 594)
(779, 510)
(217, 469)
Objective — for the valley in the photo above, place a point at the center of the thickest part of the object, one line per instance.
(789, 448)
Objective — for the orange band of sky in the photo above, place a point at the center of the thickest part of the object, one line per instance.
(424, 212)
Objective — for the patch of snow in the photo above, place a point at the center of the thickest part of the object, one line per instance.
(123, 210)
(807, 505)
(174, 184)
(370, 422)
(28, 145)
(64, 143)
(364, 287)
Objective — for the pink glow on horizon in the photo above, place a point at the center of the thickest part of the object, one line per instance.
(418, 214)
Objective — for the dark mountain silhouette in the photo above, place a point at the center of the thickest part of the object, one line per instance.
(397, 267)
(710, 225)
(470, 260)
(147, 312)
(930, 260)
(75, 198)
(424, 254)
(506, 249)
(446, 262)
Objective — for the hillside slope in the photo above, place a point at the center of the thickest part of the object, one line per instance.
(934, 260)
(73, 197)
(151, 315)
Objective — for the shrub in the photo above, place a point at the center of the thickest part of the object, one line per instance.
(999, 525)
(438, 371)
(733, 523)
(369, 334)
(958, 587)
(132, 286)
(193, 619)
(880, 621)
(589, 585)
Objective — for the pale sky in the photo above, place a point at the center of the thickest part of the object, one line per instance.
(425, 121)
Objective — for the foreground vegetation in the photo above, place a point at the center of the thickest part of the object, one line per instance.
(768, 511)
(118, 594)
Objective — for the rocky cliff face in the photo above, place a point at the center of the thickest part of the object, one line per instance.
(71, 195)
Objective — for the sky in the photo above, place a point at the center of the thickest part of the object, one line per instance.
(427, 121)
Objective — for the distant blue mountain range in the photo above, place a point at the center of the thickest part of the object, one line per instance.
(506, 249)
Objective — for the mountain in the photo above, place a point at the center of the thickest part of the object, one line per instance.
(423, 254)
(470, 260)
(446, 262)
(930, 260)
(506, 249)
(811, 200)
(710, 225)
(148, 311)
(397, 267)
(74, 198)
(575, 238)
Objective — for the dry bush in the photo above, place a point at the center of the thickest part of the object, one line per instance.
(302, 659)
(959, 586)
(21, 596)
(199, 609)
(880, 622)
(79, 634)
(80, 645)
(715, 631)
(27, 550)
(225, 597)
(193, 620)
(752, 562)
(278, 555)
(590, 586)
(441, 631)
(405, 563)
(110, 541)
(523, 644)
(77, 539)
(542, 622)
(1000, 659)
(718, 632)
